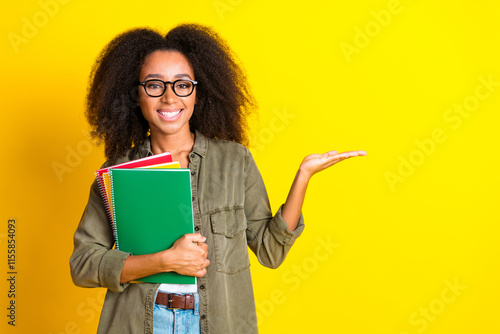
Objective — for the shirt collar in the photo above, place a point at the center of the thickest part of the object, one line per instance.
(200, 145)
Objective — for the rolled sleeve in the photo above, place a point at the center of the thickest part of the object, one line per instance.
(110, 269)
(279, 229)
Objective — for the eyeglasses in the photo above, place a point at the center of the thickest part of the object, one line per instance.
(156, 87)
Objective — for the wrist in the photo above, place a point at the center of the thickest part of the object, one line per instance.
(165, 260)
(303, 175)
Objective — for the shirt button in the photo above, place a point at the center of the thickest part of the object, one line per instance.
(197, 228)
(203, 316)
(202, 287)
(193, 173)
(191, 155)
(192, 198)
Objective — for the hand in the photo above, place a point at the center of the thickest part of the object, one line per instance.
(188, 255)
(317, 162)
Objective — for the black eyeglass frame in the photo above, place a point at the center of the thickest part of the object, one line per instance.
(143, 84)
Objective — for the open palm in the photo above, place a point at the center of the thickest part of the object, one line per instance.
(317, 162)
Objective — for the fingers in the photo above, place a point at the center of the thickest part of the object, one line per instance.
(315, 163)
(195, 237)
(193, 243)
(355, 153)
(202, 270)
(344, 155)
(330, 153)
(192, 239)
(204, 249)
(205, 264)
(349, 154)
(331, 158)
(200, 273)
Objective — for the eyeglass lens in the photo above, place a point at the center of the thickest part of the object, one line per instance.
(156, 88)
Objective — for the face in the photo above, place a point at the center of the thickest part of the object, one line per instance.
(168, 114)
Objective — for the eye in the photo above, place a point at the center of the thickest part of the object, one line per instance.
(183, 85)
(154, 85)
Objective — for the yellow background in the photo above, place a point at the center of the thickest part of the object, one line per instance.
(416, 216)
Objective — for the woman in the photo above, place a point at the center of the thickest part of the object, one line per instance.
(185, 93)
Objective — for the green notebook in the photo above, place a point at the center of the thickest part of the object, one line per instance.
(152, 209)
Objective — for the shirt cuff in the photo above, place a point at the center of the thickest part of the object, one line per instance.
(279, 229)
(110, 270)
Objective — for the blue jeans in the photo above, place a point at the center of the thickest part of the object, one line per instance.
(173, 321)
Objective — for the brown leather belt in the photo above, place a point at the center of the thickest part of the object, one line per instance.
(170, 300)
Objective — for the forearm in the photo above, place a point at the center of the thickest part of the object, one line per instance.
(138, 266)
(293, 205)
(188, 256)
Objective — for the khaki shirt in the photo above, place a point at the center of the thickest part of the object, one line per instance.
(231, 209)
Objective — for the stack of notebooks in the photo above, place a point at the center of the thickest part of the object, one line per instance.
(149, 206)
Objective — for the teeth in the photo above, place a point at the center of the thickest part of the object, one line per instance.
(169, 114)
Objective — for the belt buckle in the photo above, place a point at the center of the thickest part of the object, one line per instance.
(170, 300)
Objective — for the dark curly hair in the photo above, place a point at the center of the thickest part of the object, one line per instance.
(224, 99)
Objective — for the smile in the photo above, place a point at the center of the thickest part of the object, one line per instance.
(169, 113)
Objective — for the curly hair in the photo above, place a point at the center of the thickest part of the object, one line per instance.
(224, 99)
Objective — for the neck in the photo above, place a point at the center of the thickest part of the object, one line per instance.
(174, 143)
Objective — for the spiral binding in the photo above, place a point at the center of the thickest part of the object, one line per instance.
(115, 232)
(111, 218)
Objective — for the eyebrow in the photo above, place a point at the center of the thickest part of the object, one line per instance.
(159, 76)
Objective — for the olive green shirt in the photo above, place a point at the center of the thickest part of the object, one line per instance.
(231, 209)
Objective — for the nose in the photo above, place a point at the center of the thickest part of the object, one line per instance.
(169, 95)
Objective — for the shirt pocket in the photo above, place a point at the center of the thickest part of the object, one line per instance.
(231, 250)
